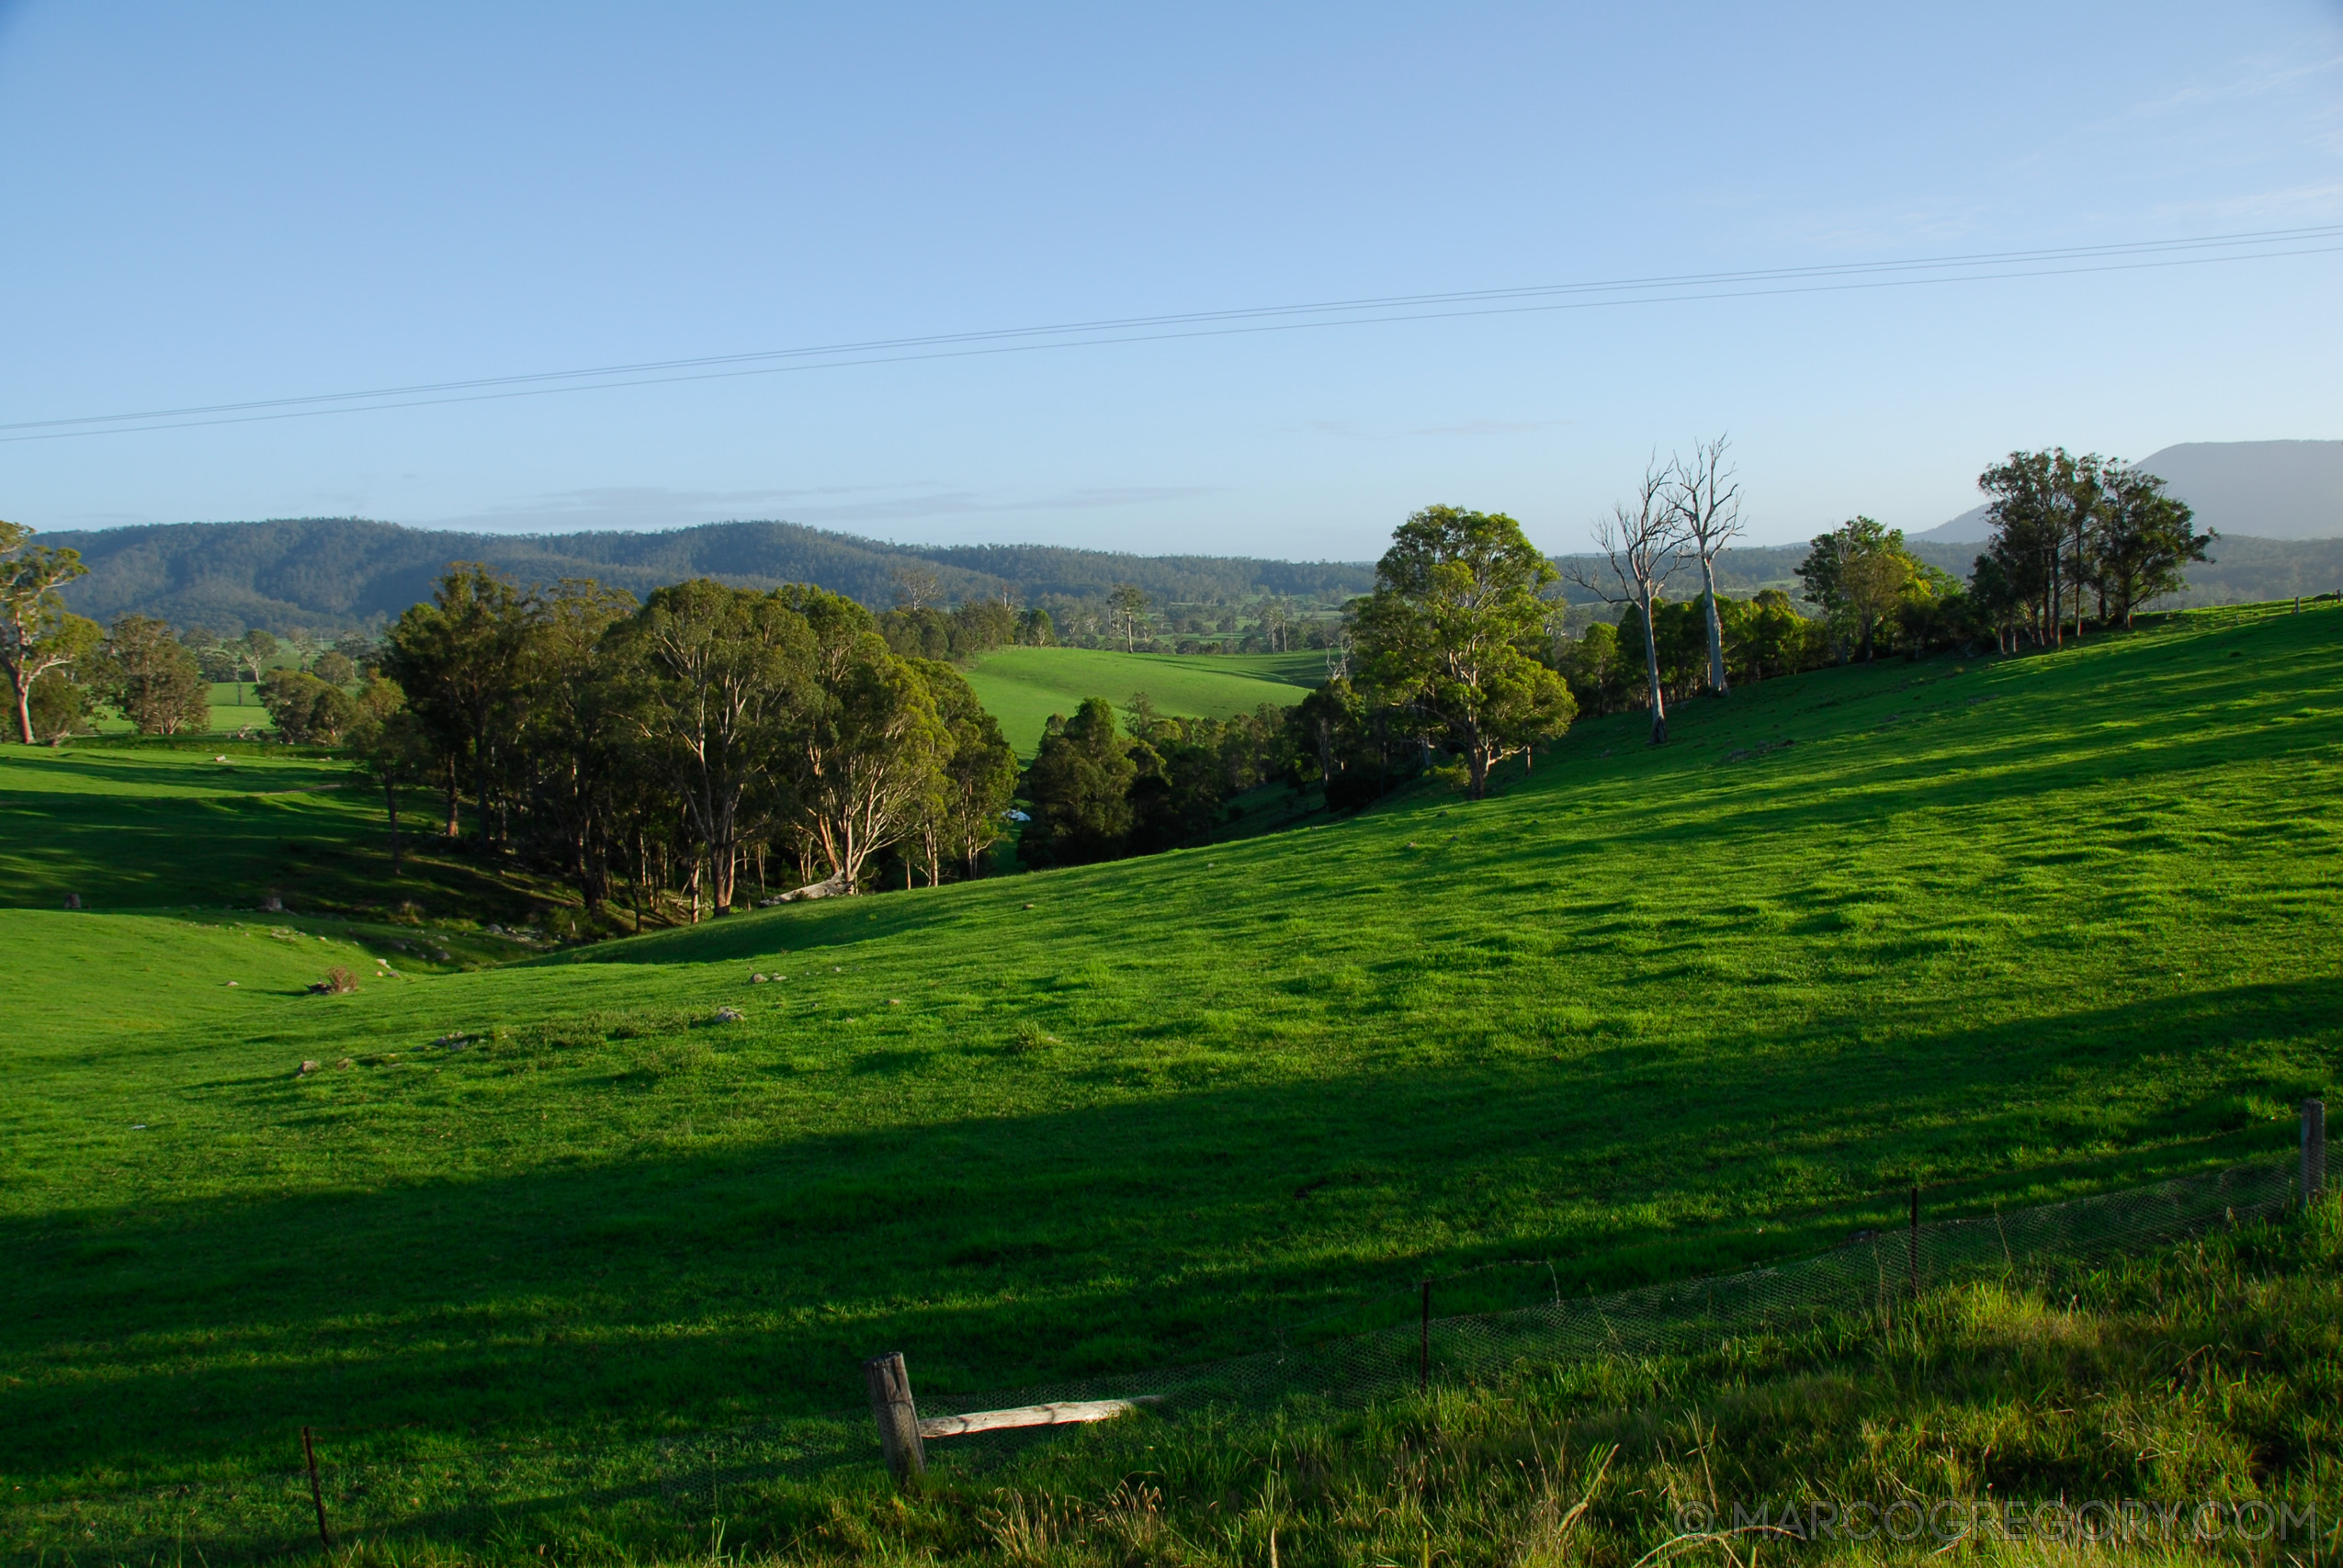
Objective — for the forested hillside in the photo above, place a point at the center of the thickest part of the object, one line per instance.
(328, 575)
(333, 574)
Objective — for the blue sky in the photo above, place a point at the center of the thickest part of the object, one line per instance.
(229, 202)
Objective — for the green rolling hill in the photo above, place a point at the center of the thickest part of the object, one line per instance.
(2012, 928)
(1023, 686)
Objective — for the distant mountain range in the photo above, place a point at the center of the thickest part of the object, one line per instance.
(2268, 490)
(333, 574)
(2278, 505)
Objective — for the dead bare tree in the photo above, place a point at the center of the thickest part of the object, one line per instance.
(1641, 543)
(1706, 499)
(916, 588)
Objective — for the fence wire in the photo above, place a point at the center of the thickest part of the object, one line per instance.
(450, 1489)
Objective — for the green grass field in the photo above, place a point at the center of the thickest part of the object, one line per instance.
(2011, 930)
(1023, 686)
(2150, 1412)
(235, 708)
(140, 826)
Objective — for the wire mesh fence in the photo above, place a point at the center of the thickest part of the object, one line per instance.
(444, 1487)
(2208, 617)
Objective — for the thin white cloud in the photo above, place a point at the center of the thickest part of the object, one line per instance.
(649, 508)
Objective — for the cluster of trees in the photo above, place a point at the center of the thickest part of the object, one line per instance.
(921, 626)
(1760, 636)
(1131, 620)
(2069, 532)
(1448, 648)
(1157, 782)
(159, 682)
(676, 740)
(1448, 651)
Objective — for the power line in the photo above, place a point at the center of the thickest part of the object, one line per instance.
(1667, 289)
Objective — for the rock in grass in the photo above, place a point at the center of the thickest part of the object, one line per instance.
(307, 1069)
(729, 1015)
(758, 979)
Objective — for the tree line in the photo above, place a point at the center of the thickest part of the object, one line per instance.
(667, 744)
(673, 742)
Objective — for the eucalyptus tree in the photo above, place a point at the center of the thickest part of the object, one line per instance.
(579, 722)
(1706, 499)
(462, 662)
(1641, 543)
(36, 634)
(2047, 511)
(1451, 631)
(394, 746)
(1126, 609)
(864, 759)
(2146, 538)
(1081, 786)
(979, 775)
(250, 654)
(154, 679)
(723, 676)
(1859, 573)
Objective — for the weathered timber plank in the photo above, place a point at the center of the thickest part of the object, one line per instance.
(1063, 1414)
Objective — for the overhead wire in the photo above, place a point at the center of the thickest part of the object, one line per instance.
(1666, 289)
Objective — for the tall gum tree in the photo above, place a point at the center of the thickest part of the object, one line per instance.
(725, 672)
(2147, 540)
(1707, 500)
(1641, 543)
(1449, 632)
(1859, 573)
(462, 661)
(33, 622)
(865, 755)
(2047, 509)
(979, 775)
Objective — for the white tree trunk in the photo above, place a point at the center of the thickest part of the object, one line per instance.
(1715, 628)
(1651, 670)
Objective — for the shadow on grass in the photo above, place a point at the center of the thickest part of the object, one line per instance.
(319, 852)
(698, 1286)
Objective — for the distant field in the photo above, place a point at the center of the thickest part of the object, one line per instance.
(1023, 686)
(2011, 929)
(235, 706)
(145, 827)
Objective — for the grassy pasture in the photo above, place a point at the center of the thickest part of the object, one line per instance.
(142, 826)
(1023, 686)
(235, 706)
(2207, 1373)
(2013, 929)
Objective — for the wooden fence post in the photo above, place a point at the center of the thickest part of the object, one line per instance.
(316, 1492)
(2313, 1151)
(1915, 1248)
(1423, 1353)
(898, 1419)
